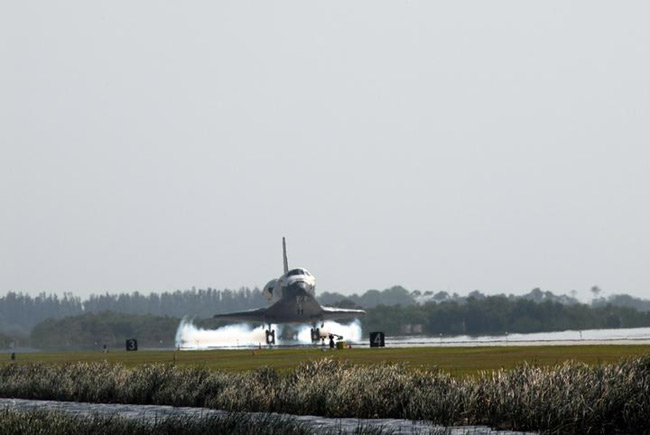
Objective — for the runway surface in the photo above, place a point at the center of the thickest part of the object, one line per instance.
(570, 337)
(639, 336)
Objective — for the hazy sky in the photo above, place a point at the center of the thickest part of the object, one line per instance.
(459, 145)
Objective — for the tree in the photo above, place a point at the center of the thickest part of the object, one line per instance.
(596, 291)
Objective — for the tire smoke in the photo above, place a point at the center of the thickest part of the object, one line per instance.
(350, 332)
(189, 336)
(192, 337)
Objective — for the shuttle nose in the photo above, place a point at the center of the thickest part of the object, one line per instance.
(298, 288)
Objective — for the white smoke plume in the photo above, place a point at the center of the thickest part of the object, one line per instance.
(189, 336)
(350, 332)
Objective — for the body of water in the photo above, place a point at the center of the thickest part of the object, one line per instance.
(151, 413)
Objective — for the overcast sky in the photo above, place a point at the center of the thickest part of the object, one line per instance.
(154, 146)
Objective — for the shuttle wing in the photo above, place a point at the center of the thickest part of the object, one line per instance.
(331, 313)
(257, 315)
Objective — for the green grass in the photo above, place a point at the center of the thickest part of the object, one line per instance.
(458, 361)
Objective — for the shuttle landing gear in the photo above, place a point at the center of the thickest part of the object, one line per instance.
(315, 335)
(270, 336)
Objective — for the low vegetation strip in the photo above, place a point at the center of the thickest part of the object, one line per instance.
(458, 361)
(569, 398)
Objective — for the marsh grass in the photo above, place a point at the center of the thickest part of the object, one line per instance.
(569, 398)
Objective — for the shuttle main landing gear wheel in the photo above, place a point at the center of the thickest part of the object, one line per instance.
(270, 336)
(315, 335)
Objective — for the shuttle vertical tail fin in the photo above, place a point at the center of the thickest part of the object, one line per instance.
(284, 256)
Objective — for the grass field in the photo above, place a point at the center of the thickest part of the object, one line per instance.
(457, 361)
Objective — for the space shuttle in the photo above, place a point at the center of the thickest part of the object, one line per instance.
(292, 299)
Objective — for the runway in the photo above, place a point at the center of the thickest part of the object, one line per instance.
(570, 337)
(623, 336)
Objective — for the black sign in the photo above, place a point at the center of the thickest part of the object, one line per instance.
(131, 344)
(377, 339)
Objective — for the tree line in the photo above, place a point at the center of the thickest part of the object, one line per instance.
(395, 310)
(94, 330)
(19, 312)
(492, 315)
(499, 315)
